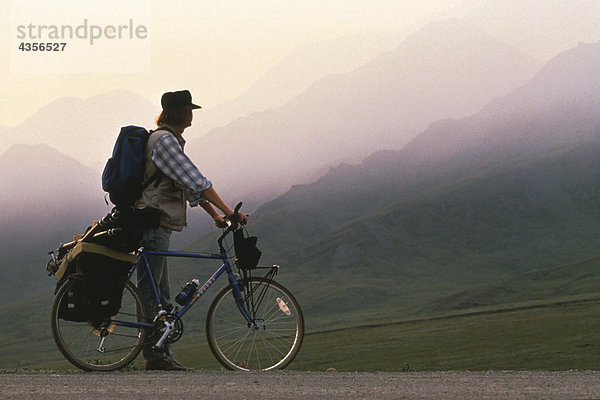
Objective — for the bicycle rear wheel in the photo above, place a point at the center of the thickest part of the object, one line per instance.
(80, 342)
(270, 341)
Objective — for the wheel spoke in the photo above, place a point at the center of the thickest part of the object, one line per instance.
(270, 342)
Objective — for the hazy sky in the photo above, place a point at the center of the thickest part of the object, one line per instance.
(215, 48)
(218, 49)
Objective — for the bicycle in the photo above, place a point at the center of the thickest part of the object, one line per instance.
(254, 323)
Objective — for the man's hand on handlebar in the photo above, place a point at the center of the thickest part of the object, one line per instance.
(232, 217)
(238, 217)
(220, 221)
(242, 218)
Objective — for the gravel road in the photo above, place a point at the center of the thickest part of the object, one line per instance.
(300, 385)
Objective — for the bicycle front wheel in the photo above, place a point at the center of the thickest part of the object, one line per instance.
(269, 341)
(81, 342)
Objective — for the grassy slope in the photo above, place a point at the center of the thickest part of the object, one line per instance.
(577, 279)
(554, 337)
(560, 335)
(549, 321)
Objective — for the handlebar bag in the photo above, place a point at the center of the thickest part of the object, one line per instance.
(247, 254)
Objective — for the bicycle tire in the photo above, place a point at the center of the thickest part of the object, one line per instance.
(78, 341)
(272, 344)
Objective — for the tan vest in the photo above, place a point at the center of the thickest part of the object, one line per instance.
(168, 196)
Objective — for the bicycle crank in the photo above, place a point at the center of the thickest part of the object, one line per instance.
(171, 327)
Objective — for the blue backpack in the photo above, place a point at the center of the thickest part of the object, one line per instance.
(123, 174)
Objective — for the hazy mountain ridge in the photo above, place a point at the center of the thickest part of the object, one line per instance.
(86, 129)
(346, 115)
(560, 104)
(530, 216)
(48, 199)
(430, 219)
(294, 225)
(44, 172)
(296, 73)
(541, 28)
(380, 105)
(459, 149)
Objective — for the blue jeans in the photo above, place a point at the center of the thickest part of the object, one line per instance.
(155, 239)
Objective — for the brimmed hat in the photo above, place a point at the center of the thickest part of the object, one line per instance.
(182, 98)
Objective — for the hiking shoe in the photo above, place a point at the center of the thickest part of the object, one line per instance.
(166, 364)
(179, 365)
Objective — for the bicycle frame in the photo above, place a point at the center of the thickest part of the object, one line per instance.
(142, 261)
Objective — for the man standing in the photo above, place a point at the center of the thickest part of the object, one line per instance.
(179, 182)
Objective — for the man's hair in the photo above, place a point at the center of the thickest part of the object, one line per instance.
(172, 116)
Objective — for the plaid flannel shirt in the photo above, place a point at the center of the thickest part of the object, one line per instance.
(169, 158)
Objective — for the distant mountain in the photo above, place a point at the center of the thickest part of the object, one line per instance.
(4, 137)
(448, 69)
(86, 129)
(553, 113)
(353, 243)
(561, 104)
(381, 104)
(296, 73)
(508, 190)
(36, 174)
(48, 197)
(541, 28)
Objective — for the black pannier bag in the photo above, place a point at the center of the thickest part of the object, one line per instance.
(75, 305)
(247, 254)
(96, 277)
(105, 279)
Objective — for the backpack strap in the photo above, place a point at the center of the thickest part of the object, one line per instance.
(158, 175)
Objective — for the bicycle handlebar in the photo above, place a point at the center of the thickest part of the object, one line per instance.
(232, 224)
(235, 218)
